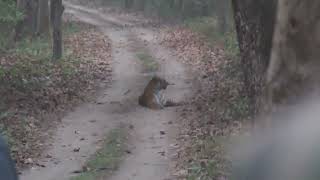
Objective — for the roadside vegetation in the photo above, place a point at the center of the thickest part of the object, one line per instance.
(37, 90)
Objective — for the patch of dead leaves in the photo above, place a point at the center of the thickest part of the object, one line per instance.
(206, 114)
(30, 111)
(192, 49)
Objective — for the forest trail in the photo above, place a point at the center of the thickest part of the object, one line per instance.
(117, 104)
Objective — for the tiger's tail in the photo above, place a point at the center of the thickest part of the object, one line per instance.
(170, 103)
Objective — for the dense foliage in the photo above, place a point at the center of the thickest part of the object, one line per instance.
(9, 12)
(9, 17)
(173, 9)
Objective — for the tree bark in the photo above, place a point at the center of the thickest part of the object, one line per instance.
(56, 10)
(29, 23)
(294, 70)
(34, 16)
(254, 20)
(43, 17)
(19, 27)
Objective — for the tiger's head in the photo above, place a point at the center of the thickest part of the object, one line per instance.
(161, 83)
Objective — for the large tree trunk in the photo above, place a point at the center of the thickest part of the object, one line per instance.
(21, 4)
(29, 23)
(56, 10)
(43, 17)
(294, 70)
(293, 76)
(34, 16)
(254, 21)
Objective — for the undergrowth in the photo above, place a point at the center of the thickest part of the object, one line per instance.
(9, 17)
(167, 10)
(33, 88)
(208, 28)
(28, 67)
(210, 164)
(217, 110)
(222, 111)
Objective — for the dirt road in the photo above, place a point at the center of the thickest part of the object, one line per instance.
(151, 151)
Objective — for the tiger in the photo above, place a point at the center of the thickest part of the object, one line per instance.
(152, 96)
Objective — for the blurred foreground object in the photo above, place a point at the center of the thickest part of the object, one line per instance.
(7, 166)
(288, 145)
(294, 68)
(291, 151)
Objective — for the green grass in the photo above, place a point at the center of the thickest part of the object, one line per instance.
(107, 159)
(39, 47)
(71, 27)
(211, 149)
(34, 66)
(148, 62)
(208, 28)
(5, 35)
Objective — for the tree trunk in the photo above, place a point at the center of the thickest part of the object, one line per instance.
(29, 23)
(293, 77)
(19, 27)
(141, 5)
(254, 21)
(128, 4)
(222, 11)
(294, 70)
(181, 8)
(34, 16)
(56, 22)
(43, 17)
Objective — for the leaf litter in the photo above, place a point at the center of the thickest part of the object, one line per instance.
(36, 92)
(214, 112)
